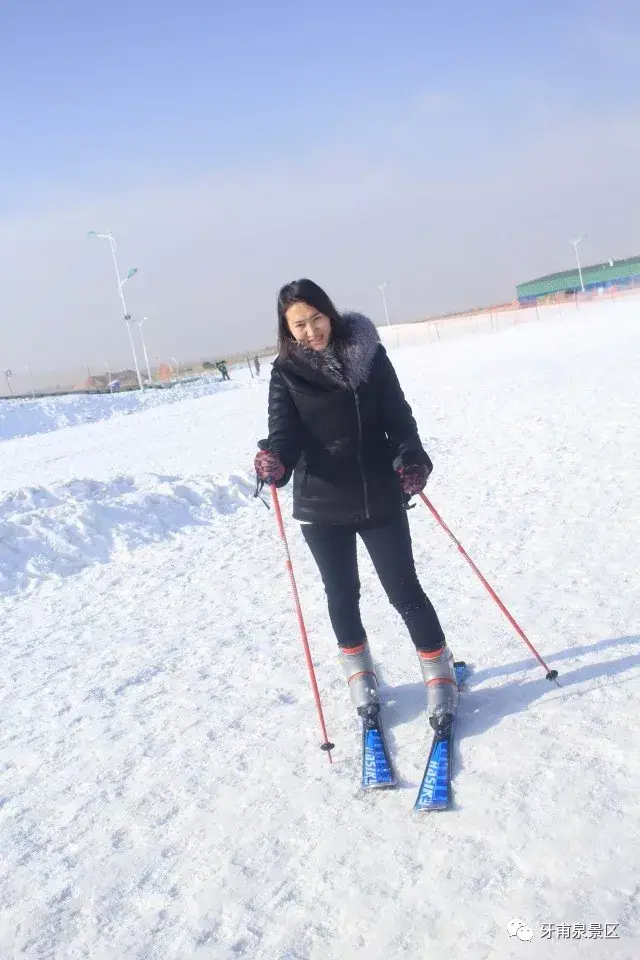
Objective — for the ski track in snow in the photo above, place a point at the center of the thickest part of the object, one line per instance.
(162, 792)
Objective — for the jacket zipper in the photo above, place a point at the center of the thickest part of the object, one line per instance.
(364, 479)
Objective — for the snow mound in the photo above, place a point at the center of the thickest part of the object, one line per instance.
(24, 418)
(51, 532)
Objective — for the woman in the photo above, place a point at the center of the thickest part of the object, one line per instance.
(339, 422)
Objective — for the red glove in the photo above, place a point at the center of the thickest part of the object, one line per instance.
(268, 466)
(413, 479)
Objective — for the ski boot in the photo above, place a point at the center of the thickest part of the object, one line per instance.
(442, 690)
(360, 674)
(449, 654)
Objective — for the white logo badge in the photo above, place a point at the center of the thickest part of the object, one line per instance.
(517, 928)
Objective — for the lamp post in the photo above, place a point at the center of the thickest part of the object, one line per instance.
(139, 324)
(121, 282)
(381, 288)
(574, 243)
(33, 393)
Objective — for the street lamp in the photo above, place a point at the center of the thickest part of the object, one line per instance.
(381, 288)
(574, 243)
(33, 393)
(139, 324)
(121, 282)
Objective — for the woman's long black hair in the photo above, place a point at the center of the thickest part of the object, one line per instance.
(304, 291)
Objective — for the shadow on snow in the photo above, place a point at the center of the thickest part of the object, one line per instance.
(482, 708)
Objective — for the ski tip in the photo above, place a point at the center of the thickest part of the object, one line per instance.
(382, 776)
(380, 784)
(435, 789)
(433, 800)
(377, 770)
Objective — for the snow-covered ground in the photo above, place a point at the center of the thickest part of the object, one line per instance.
(25, 417)
(163, 795)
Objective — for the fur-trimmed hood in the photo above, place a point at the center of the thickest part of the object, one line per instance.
(347, 362)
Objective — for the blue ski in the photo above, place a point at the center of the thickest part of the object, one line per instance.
(376, 763)
(435, 789)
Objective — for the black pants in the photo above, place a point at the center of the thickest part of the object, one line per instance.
(334, 549)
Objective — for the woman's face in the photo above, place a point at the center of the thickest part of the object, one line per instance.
(308, 326)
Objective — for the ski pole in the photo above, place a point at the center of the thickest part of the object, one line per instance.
(551, 674)
(328, 747)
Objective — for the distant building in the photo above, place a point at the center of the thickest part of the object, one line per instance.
(613, 273)
(91, 383)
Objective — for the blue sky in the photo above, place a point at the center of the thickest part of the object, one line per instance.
(96, 95)
(320, 124)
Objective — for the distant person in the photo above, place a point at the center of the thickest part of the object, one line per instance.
(222, 367)
(256, 363)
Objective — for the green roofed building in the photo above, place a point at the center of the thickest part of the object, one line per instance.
(613, 273)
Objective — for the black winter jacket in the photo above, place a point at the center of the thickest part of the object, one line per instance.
(339, 422)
